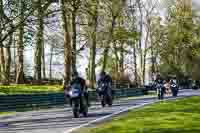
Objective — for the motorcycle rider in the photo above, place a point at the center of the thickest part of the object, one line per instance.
(76, 79)
(173, 80)
(174, 86)
(104, 78)
(159, 80)
(167, 86)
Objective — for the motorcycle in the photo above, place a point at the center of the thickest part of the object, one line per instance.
(160, 91)
(175, 89)
(105, 94)
(78, 101)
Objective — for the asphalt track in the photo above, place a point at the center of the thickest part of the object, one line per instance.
(60, 120)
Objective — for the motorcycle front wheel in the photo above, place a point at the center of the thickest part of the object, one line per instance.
(109, 101)
(76, 107)
(160, 94)
(175, 92)
(103, 101)
(84, 107)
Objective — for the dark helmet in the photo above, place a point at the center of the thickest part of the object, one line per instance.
(158, 76)
(103, 73)
(74, 75)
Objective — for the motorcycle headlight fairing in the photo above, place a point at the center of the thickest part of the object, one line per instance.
(74, 93)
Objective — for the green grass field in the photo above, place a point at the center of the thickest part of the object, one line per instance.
(180, 116)
(29, 89)
(6, 113)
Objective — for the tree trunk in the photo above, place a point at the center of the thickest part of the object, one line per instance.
(135, 65)
(0, 70)
(2, 63)
(20, 47)
(106, 50)
(1, 44)
(74, 69)
(67, 45)
(14, 55)
(121, 62)
(2, 58)
(153, 70)
(145, 53)
(116, 61)
(105, 57)
(39, 42)
(88, 69)
(153, 57)
(50, 63)
(140, 40)
(8, 60)
(43, 62)
(92, 63)
(133, 14)
(144, 67)
(92, 67)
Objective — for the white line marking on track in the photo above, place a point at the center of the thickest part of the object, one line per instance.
(108, 116)
(119, 112)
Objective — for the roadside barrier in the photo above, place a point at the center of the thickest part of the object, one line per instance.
(33, 101)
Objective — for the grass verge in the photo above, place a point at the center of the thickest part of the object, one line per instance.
(29, 89)
(150, 95)
(179, 116)
(6, 113)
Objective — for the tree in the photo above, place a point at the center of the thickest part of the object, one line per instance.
(5, 54)
(8, 60)
(174, 55)
(42, 6)
(132, 12)
(149, 12)
(19, 44)
(114, 8)
(67, 44)
(92, 23)
(2, 71)
(140, 7)
(124, 39)
(157, 33)
(75, 4)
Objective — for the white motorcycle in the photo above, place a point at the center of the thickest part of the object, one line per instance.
(79, 102)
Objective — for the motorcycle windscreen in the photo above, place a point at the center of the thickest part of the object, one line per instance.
(76, 86)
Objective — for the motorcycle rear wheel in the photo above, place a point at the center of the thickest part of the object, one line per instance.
(103, 103)
(109, 101)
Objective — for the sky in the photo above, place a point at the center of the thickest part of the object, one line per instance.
(164, 3)
(196, 6)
